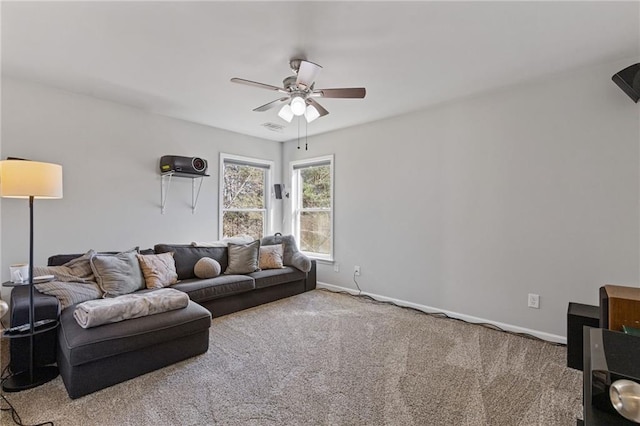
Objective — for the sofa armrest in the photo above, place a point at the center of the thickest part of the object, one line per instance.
(310, 282)
(45, 307)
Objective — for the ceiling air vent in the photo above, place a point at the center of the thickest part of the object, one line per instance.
(273, 127)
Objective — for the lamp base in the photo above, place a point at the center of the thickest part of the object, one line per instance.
(23, 381)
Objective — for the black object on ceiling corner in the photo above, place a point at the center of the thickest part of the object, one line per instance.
(629, 81)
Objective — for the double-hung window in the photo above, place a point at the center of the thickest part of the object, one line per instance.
(312, 206)
(244, 204)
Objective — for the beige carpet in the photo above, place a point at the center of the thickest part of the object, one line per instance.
(329, 359)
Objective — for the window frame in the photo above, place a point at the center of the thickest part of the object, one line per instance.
(296, 201)
(268, 166)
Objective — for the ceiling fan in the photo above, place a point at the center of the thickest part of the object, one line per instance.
(300, 93)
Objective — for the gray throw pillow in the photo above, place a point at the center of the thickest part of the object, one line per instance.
(118, 274)
(243, 258)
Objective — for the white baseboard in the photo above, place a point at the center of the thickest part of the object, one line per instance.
(508, 327)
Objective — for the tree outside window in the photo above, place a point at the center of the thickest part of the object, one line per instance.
(244, 206)
(313, 206)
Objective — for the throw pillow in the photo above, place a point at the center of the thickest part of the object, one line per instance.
(159, 270)
(271, 257)
(292, 256)
(118, 273)
(243, 258)
(207, 268)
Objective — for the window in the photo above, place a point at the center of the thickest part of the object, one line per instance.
(312, 203)
(244, 206)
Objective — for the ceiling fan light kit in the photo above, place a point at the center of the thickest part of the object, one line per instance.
(300, 93)
(311, 113)
(285, 113)
(298, 106)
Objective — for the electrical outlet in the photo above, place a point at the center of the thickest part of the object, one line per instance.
(534, 301)
(356, 270)
(336, 267)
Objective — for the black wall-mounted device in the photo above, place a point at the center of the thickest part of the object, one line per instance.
(629, 81)
(186, 166)
(278, 189)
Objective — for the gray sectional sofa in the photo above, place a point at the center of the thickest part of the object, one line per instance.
(94, 358)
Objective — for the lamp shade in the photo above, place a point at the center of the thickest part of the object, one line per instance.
(298, 106)
(311, 113)
(285, 113)
(24, 179)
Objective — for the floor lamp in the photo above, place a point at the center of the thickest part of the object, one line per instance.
(30, 179)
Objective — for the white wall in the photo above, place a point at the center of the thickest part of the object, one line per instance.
(110, 154)
(469, 206)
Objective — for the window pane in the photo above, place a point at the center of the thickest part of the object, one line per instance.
(237, 223)
(243, 187)
(315, 232)
(316, 186)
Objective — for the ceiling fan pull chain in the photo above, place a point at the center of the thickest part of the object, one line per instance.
(298, 132)
(306, 135)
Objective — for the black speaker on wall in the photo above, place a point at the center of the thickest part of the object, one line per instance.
(277, 189)
(629, 81)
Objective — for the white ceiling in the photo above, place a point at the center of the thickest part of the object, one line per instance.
(176, 58)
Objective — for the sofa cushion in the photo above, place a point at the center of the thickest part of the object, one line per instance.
(186, 257)
(61, 259)
(214, 288)
(271, 277)
(81, 345)
(238, 239)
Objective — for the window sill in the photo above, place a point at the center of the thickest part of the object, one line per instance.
(322, 260)
(319, 257)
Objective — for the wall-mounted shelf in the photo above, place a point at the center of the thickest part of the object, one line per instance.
(165, 183)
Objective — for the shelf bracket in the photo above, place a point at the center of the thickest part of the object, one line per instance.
(165, 182)
(195, 194)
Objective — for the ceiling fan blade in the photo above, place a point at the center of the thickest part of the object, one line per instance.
(351, 92)
(307, 74)
(317, 106)
(256, 84)
(272, 104)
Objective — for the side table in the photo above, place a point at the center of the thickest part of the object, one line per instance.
(45, 343)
